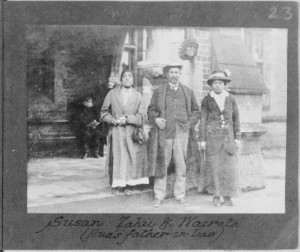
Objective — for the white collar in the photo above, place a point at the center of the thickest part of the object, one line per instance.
(223, 94)
(220, 99)
(174, 85)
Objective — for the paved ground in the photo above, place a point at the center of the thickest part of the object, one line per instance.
(60, 180)
(70, 185)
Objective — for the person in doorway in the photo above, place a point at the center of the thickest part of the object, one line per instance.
(87, 130)
(173, 113)
(123, 110)
(220, 137)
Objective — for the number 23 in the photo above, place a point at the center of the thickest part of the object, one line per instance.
(287, 13)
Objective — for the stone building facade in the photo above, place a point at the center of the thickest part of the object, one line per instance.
(268, 48)
(64, 65)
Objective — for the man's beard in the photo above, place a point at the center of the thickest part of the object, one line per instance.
(174, 80)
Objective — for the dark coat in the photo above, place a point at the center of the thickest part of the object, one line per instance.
(220, 173)
(83, 117)
(157, 137)
(210, 130)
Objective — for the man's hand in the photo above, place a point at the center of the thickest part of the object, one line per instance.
(203, 146)
(161, 123)
(93, 124)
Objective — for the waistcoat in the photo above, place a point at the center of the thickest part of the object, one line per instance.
(176, 111)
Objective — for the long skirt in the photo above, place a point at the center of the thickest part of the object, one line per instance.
(224, 171)
(219, 174)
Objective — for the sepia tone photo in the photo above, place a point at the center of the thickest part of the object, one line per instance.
(141, 119)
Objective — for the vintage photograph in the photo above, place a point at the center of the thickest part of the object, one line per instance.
(156, 119)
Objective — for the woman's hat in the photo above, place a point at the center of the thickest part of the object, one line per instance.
(219, 75)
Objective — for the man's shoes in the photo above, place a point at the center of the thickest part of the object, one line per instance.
(228, 201)
(182, 202)
(85, 155)
(216, 201)
(157, 203)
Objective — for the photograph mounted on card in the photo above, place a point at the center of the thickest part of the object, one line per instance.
(140, 123)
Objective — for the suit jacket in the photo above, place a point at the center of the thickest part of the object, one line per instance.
(83, 117)
(157, 137)
(210, 125)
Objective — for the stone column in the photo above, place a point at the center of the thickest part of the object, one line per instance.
(250, 160)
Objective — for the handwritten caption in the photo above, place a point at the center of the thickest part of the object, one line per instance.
(128, 227)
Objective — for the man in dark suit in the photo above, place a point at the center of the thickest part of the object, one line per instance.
(173, 113)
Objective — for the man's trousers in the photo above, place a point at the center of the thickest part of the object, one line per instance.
(175, 148)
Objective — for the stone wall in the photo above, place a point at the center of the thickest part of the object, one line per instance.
(50, 139)
(275, 74)
(61, 71)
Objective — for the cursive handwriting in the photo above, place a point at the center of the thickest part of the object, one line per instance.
(61, 221)
(128, 222)
(127, 228)
(144, 233)
(195, 222)
(97, 233)
(111, 12)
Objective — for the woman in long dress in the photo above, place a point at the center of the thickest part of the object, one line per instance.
(123, 110)
(219, 137)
